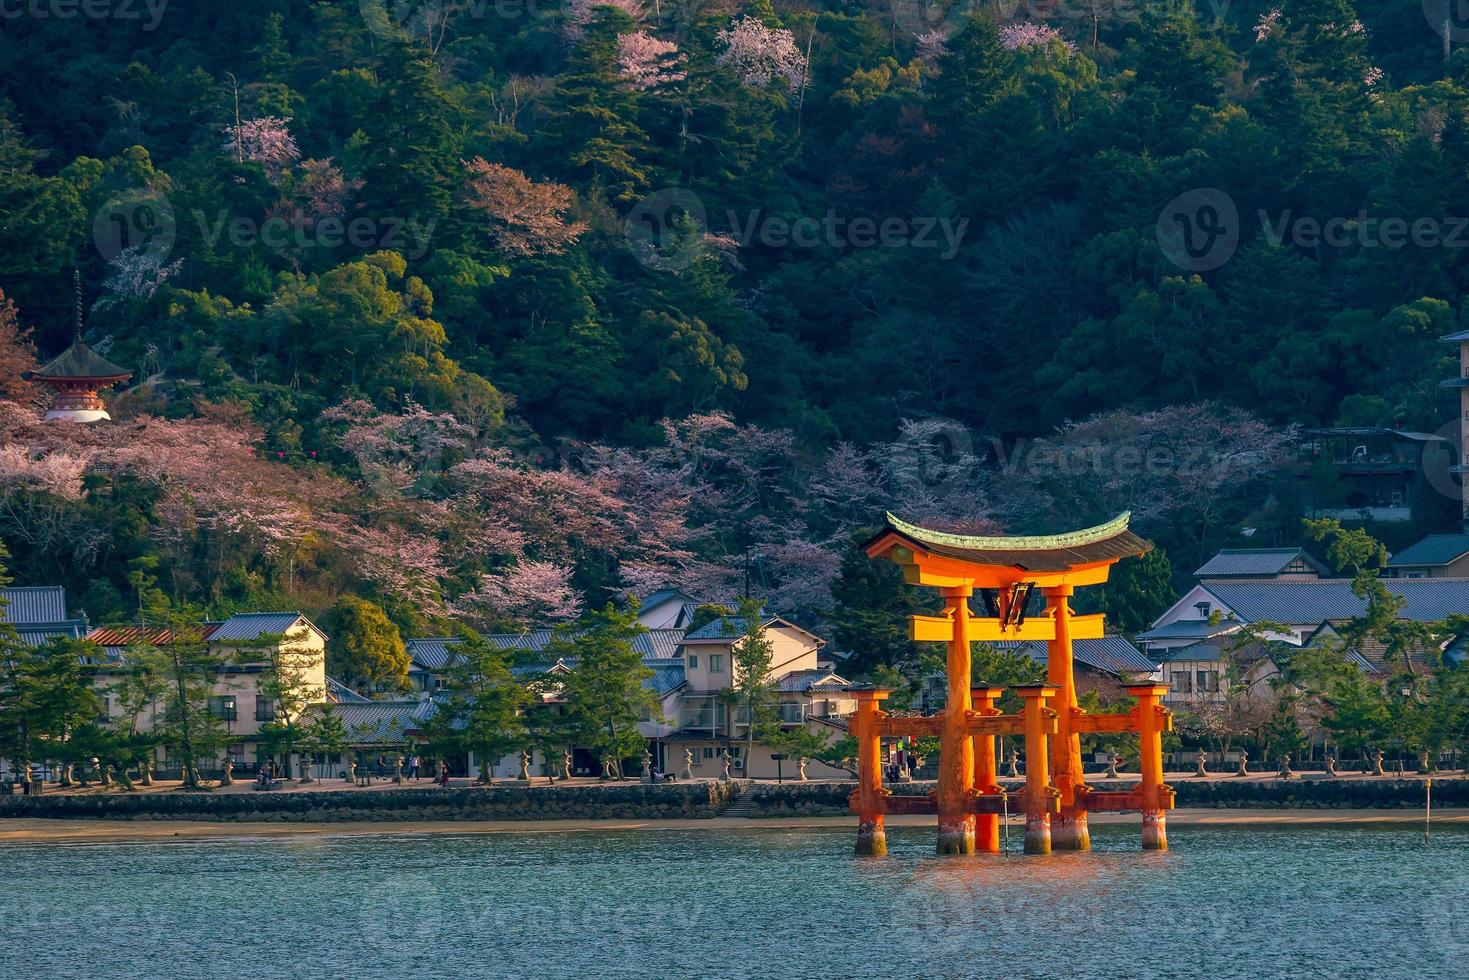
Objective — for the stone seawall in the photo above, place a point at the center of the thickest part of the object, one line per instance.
(632, 801)
(636, 801)
(1224, 792)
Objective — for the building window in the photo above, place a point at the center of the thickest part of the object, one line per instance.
(105, 714)
(264, 709)
(716, 663)
(693, 661)
(645, 714)
(1208, 681)
(1180, 680)
(222, 706)
(708, 753)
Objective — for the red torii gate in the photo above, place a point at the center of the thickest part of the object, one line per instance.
(969, 799)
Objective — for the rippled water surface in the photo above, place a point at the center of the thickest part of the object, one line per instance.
(772, 903)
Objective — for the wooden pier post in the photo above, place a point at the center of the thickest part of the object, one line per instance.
(1151, 722)
(1037, 768)
(867, 800)
(986, 772)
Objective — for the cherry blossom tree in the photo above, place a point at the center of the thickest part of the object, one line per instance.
(17, 355)
(758, 55)
(529, 592)
(647, 62)
(395, 452)
(526, 218)
(325, 190)
(1028, 34)
(1268, 24)
(137, 273)
(266, 141)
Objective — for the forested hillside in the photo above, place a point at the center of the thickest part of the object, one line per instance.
(494, 308)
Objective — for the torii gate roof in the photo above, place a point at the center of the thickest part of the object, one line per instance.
(1045, 553)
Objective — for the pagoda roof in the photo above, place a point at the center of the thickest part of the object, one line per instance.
(80, 361)
(1037, 553)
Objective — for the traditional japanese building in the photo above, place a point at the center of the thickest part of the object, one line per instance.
(75, 380)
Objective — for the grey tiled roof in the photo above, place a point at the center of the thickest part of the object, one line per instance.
(652, 643)
(668, 676)
(34, 604)
(1436, 549)
(1243, 562)
(801, 681)
(369, 722)
(722, 628)
(339, 693)
(251, 626)
(668, 673)
(1428, 599)
(1185, 629)
(431, 652)
(38, 634)
(1112, 654)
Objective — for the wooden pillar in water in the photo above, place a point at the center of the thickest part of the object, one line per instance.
(871, 836)
(1037, 768)
(956, 754)
(1069, 831)
(1150, 725)
(986, 772)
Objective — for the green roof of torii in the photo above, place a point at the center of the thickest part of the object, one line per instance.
(80, 361)
(1037, 552)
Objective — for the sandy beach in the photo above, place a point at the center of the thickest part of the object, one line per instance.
(73, 831)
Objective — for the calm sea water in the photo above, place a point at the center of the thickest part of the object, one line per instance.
(776, 903)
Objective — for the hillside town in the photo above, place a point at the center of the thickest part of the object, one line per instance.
(1273, 653)
(1241, 654)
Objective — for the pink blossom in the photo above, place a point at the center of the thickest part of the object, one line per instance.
(265, 141)
(530, 592)
(1029, 34)
(758, 54)
(136, 274)
(1268, 24)
(648, 62)
(325, 189)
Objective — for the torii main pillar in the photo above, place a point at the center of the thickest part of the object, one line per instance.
(1069, 830)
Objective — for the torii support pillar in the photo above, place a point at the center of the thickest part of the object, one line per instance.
(986, 772)
(1151, 721)
(1069, 830)
(867, 801)
(1038, 791)
(956, 757)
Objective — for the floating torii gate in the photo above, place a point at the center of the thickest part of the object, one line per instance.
(969, 799)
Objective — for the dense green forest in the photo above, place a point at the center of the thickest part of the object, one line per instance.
(493, 309)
